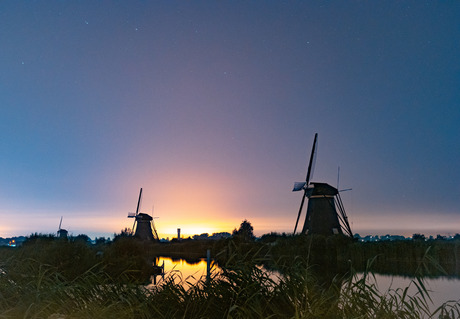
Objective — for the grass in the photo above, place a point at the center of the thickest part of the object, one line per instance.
(34, 283)
(246, 292)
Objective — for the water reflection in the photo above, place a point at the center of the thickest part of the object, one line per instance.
(185, 271)
(441, 289)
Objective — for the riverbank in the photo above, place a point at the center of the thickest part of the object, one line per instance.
(47, 277)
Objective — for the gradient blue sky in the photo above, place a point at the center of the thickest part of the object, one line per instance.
(211, 107)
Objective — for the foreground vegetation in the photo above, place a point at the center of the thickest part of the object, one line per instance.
(62, 278)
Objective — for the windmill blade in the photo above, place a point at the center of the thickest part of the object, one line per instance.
(154, 230)
(310, 169)
(344, 216)
(300, 210)
(311, 164)
(134, 225)
(139, 201)
(60, 223)
(338, 176)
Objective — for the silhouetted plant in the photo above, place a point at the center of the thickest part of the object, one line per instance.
(83, 238)
(418, 237)
(126, 232)
(245, 232)
(127, 259)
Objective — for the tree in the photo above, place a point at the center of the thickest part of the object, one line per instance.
(83, 238)
(127, 232)
(101, 240)
(245, 232)
(418, 237)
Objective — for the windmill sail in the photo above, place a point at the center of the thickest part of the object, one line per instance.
(307, 180)
(139, 201)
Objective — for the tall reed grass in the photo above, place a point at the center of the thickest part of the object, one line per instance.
(31, 287)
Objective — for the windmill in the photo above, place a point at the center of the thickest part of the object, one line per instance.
(61, 233)
(143, 226)
(325, 212)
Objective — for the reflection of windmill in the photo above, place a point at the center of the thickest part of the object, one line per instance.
(323, 203)
(62, 233)
(143, 225)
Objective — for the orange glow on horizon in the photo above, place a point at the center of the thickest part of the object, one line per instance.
(207, 210)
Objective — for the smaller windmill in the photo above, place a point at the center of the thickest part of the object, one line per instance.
(325, 212)
(143, 226)
(61, 233)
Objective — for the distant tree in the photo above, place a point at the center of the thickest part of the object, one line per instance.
(418, 237)
(221, 235)
(127, 232)
(83, 238)
(245, 232)
(101, 240)
(271, 237)
(202, 236)
(39, 237)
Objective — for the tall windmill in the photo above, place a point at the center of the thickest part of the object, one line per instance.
(143, 225)
(325, 212)
(62, 233)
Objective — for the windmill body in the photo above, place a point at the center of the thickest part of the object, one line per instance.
(144, 227)
(322, 217)
(62, 233)
(325, 212)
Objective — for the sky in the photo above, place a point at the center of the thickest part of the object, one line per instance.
(211, 107)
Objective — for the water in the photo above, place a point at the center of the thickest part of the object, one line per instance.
(182, 270)
(441, 289)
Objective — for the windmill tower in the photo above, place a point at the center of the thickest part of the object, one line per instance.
(143, 226)
(61, 233)
(325, 212)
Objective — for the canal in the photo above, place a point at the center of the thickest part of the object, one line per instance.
(441, 289)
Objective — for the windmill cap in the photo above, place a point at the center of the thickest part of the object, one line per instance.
(143, 216)
(322, 189)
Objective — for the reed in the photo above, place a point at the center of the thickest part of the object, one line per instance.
(33, 288)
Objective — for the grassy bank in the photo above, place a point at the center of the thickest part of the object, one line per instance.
(50, 278)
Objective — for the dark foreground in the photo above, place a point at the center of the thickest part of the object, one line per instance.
(54, 278)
